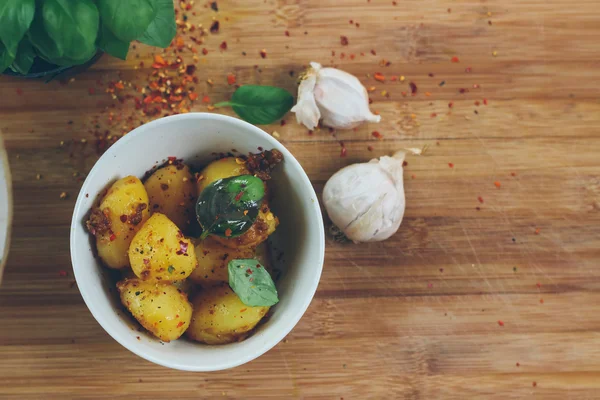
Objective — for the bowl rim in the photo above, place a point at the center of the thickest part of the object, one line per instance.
(267, 344)
(9, 214)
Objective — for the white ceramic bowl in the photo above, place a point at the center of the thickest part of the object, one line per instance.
(299, 237)
(5, 207)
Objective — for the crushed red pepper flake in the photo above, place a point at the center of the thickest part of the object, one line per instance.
(455, 59)
(413, 88)
(223, 46)
(370, 148)
(287, 33)
(485, 102)
(344, 40)
(214, 27)
(497, 184)
(62, 273)
(112, 237)
(206, 99)
(231, 79)
(343, 151)
(451, 104)
(228, 232)
(263, 53)
(534, 384)
(204, 51)
(500, 323)
(537, 231)
(378, 76)
(480, 199)
(468, 70)
(373, 52)
(450, 165)
(377, 135)
(193, 96)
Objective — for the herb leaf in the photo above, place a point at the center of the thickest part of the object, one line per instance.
(15, 19)
(260, 104)
(5, 58)
(127, 19)
(162, 29)
(228, 207)
(25, 56)
(252, 283)
(111, 44)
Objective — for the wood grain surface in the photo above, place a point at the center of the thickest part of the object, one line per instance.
(461, 303)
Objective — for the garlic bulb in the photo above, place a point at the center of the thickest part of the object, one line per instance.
(334, 95)
(366, 201)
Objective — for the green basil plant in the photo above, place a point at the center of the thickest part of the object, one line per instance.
(71, 32)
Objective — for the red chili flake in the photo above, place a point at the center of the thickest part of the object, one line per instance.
(310, 133)
(351, 22)
(537, 231)
(344, 40)
(430, 285)
(62, 273)
(513, 174)
(534, 384)
(287, 33)
(206, 99)
(190, 69)
(282, 122)
(370, 148)
(343, 151)
(475, 86)
(394, 3)
(454, 59)
(413, 88)
(541, 301)
(394, 78)
(478, 208)
(463, 90)
(164, 186)
(239, 196)
(214, 27)
(404, 163)
(180, 324)
(433, 115)
(357, 25)
(146, 261)
(518, 365)
(231, 79)
(485, 102)
(352, 56)
(497, 184)
(112, 237)
(243, 309)
(193, 96)
(204, 51)
(379, 77)
(19, 91)
(228, 232)
(451, 165)
(263, 53)
(249, 271)
(214, 6)
(500, 323)
(468, 70)
(442, 270)
(477, 103)
(539, 285)
(183, 247)
(480, 199)
(123, 218)
(91, 91)
(430, 75)
(451, 104)
(377, 135)
(223, 46)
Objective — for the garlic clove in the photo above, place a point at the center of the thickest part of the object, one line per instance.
(307, 112)
(366, 200)
(336, 96)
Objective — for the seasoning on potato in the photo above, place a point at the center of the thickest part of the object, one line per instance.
(158, 306)
(121, 213)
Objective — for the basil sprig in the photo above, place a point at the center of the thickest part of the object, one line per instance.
(252, 283)
(260, 105)
(228, 207)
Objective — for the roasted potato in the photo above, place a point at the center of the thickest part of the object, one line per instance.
(160, 251)
(158, 306)
(213, 258)
(172, 191)
(264, 225)
(220, 317)
(223, 168)
(121, 213)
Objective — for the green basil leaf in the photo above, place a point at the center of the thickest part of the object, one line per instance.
(73, 26)
(24, 59)
(260, 104)
(15, 19)
(127, 19)
(228, 207)
(5, 58)
(162, 29)
(252, 283)
(111, 44)
(41, 41)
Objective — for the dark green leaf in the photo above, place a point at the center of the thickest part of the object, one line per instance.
(73, 26)
(15, 19)
(111, 44)
(127, 19)
(260, 104)
(5, 58)
(252, 283)
(25, 56)
(162, 29)
(41, 41)
(228, 207)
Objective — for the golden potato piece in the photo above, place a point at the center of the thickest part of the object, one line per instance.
(158, 306)
(220, 317)
(223, 168)
(171, 191)
(121, 213)
(160, 251)
(213, 258)
(264, 225)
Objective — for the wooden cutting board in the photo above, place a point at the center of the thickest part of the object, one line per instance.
(491, 287)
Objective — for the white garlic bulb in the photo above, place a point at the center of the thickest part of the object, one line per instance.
(366, 201)
(334, 95)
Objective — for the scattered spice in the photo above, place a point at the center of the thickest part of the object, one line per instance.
(494, 53)
(480, 199)
(451, 165)
(63, 195)
(263, 53)
(223, 46)
(231, 79)
(497, 184)
(344, 40)
(62, 273)
(485, 102)
(537, 231)
(534, 384)
(518, 365)
(214, 27)
(193, 96)
(214, 6)
(378, 76)
(377, 135)
(454, 59)
(500, 323)
(413, 88)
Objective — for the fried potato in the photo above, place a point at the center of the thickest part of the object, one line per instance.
(220, 317)
(265, 224)
(213, 258)
(219, 169)
(121, 213)
(171, 191)
(158, 306)
(160, 251)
